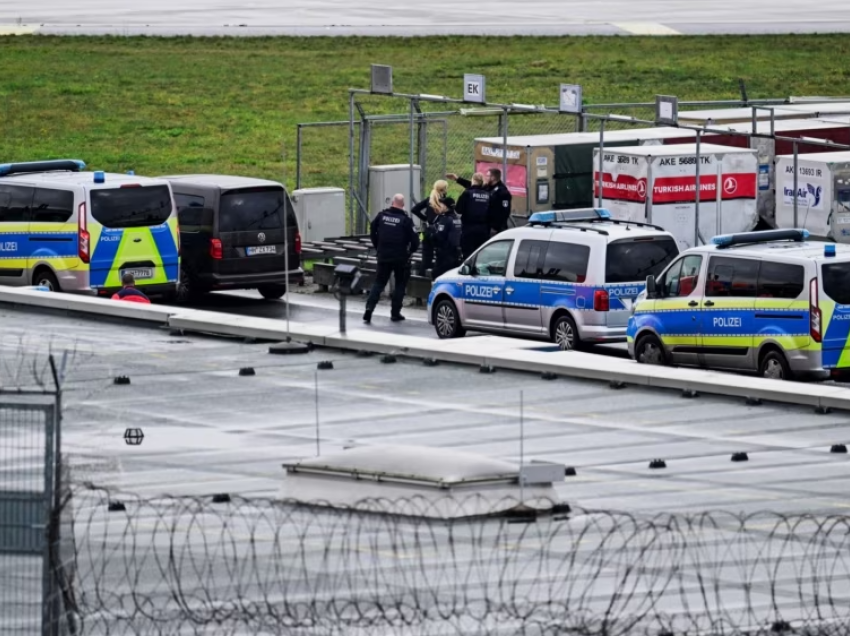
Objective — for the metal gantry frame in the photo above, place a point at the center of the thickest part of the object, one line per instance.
(358, 210)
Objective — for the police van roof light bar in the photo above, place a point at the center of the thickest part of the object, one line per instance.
(569, 216)
(744, 238)
(65, 165)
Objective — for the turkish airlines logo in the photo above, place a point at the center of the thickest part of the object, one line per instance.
(641, 189)
(730, 185)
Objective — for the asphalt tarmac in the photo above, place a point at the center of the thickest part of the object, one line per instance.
(372, 17)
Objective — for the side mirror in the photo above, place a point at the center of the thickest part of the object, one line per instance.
(651, 291)
(465, 270)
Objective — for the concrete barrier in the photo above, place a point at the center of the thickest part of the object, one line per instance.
(499, 352)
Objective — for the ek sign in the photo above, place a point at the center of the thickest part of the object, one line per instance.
(474, 88)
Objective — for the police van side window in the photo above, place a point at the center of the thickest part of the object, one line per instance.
(15, 203)
(682, 279)
(566, 262)
(732, 277)
(780, 280)
(528, 259)
(52, 206)
(493, 259)
(191, 213)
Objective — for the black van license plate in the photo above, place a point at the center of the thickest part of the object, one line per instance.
(138, 274)
(261, 249)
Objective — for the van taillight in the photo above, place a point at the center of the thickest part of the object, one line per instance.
(600, 300)
(297, 242)
(215, 249)
(814, 312)
(83, 236)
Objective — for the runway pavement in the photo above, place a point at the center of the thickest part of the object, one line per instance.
(372, 17)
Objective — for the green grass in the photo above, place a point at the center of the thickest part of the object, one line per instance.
(162, 106)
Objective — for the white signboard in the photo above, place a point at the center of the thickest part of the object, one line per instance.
(474, 89)
(570, 101)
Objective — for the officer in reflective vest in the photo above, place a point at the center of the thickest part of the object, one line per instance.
(473, 207)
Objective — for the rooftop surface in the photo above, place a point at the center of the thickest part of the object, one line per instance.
(208, 430)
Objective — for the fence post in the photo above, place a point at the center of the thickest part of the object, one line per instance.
(698, 197)
(411, 154)
(297, 157)
(601, 152)
(351, 195)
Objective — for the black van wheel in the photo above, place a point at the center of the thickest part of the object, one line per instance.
(272, 292)
(648, 350)
(447, 321)
(772, 365)
(565, 334)
(45, 278)
(187, 288)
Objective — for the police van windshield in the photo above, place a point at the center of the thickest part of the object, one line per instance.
(131, 206)
(836, 282)
(254, 209)
(633, 260)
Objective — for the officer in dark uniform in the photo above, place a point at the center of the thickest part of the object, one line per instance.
(446, 236)
(473, 207)
(395, 240)
(499, 208)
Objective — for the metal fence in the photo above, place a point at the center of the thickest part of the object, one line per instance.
(182, 565)
(439, 137)
(28, 446)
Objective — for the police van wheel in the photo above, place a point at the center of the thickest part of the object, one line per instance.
(45, 278)
(565, 334)
(648, 350)
(272, 292)
(447, 321)
(774, 366)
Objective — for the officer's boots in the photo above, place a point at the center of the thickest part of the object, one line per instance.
(367, 316)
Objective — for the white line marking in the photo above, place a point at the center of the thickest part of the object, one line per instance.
(13, 29)
(645, 28)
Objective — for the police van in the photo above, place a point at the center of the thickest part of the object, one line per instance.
(768, 302)
(569, 276)
(76, 231)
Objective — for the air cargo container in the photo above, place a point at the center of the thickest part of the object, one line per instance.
(546, 172)
(768, 149)
(719, 116)
(823, 194)
(658, 185)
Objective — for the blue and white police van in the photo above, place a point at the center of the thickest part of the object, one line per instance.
(772, 303)
(568, 276)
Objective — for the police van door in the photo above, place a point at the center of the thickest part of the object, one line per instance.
(523, 288)
(678, 309)
(728, 312)
(15, 204)
(484, 292)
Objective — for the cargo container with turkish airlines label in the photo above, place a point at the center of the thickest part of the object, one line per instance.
(657, 184)
(823, 194)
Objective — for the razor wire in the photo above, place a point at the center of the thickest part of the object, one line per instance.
(196, 565)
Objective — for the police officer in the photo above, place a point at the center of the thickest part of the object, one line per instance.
(473, 205)
(446, 236)
(427, 210)
(499, 208)
(395, 240)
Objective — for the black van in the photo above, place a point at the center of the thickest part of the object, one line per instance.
(232, 235)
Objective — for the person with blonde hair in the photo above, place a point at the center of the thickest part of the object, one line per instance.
(473, 206)
(428, 210)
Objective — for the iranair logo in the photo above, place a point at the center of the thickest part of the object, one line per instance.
(815, 192)
(808, 195)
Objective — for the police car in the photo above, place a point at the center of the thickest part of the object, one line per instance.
(70, 230)
(569, 276)
(768, 302)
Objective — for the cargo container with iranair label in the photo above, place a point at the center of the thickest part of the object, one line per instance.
(768, 149)
(546, 172)
(823, 194)
(658, 185)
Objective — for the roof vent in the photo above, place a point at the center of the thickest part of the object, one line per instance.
(422, 482)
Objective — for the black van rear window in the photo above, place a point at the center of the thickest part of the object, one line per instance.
(632, 260)
(836, 282)
(131, 207)
(254, 209)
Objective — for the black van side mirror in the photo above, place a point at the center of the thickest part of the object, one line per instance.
(651, 291)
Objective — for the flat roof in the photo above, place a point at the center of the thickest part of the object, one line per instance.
(839, 156)
(787, 125)
(564, 139)
(742, 113)
(679, 149)
(209, 430)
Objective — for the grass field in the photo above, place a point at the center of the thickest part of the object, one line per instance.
(162, 106)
